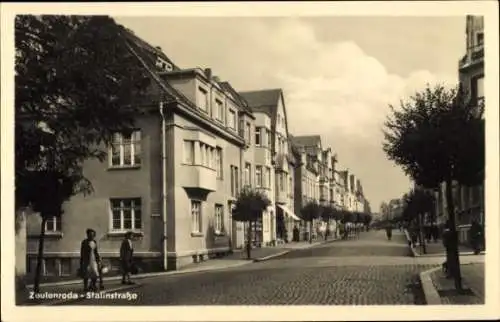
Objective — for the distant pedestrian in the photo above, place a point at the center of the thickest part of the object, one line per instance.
(475, 236)
(90, 261)
(388, 232)
(126, 258)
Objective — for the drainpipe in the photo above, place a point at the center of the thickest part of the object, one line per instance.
(164, 182)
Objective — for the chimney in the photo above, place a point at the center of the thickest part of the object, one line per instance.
(216, 79)
(158, 48)
(208, 73)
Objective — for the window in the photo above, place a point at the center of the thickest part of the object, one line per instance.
(234, 181)
(290, 190)
(126, 214)
(53, 225)
(195, 216)
(203, 102)
(125, 149)
(282, 182)
(248, 133)
(477, 88)
(231, 122)
(50, 267)
(268, 177)
(218, 161)
(257, 136)
(268, 138)
(247, 174)
(480, 38)
(219, 219)
(189, 152)
(220, 110)
(65, 266)
(241, 128)
(258, 176)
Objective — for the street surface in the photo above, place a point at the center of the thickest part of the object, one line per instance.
(367, 271)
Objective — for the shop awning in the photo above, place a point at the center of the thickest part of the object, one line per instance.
(289, 213)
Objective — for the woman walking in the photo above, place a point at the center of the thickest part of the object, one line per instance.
(126, 256)
(89, 261)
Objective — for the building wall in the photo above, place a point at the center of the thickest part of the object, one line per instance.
(93, 211)
(188, 242)
(262, 156)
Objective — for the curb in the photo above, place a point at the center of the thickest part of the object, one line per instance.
(430, 293)
(444, 254)
(261, 259)
(146, 275)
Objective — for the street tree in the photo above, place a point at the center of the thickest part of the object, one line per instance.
(438, 136)
(311, 211)
(248, 209)
(417, 203)
(75, 80)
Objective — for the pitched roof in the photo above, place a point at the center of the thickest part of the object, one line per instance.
(149, 52)
(263, 100)
(307, 140)
(241, 100)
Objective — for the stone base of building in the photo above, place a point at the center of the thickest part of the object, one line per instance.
(176, 261)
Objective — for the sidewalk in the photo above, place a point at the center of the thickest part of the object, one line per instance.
(265, 253)
(436, 249)
(440, 290)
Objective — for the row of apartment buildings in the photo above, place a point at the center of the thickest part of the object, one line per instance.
(173, 179)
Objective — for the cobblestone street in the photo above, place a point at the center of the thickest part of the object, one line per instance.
(368, 270)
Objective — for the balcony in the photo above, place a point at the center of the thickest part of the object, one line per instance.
(281, 161)
(474, 56)
(198, 177)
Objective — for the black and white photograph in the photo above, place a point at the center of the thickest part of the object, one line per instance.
(161, 159)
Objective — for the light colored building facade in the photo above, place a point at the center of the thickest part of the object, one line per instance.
(306, 184)
(270, 110)
(469, 201)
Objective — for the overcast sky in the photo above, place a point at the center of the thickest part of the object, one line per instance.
(338, 73)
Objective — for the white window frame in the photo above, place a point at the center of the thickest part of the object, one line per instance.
(258, 136)
(135, 142)
(219, 219)
(188, 146)
(231, 122)
(248, 132)
(203, 103)
(219, 106)
(268, 178)
(248, 174)
(258, 174)
(196, 213)
(56, 224)
(133, 214)
(219, 162)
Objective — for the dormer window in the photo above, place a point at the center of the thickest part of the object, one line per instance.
(203, 102)
(163, 65)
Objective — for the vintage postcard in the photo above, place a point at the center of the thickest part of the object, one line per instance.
(250, 161)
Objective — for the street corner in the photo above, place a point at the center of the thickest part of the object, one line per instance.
(430, 292)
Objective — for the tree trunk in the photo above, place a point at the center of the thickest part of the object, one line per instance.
(41, 239)
(453, 259)
(310, 231)
(421, 234)
(249, 240)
